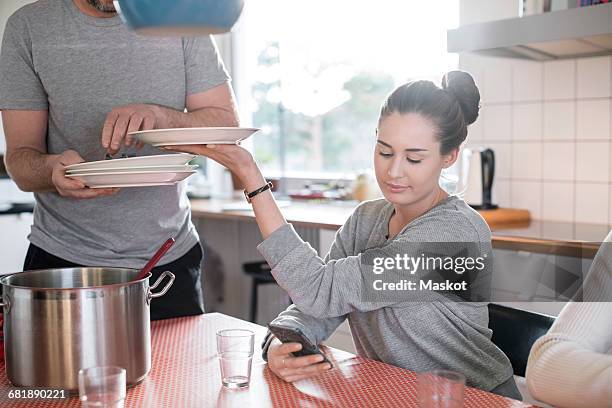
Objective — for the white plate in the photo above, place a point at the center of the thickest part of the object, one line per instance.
(132, 179)
(119, 185)
(191, 136)
(157, 160)
(136, 169)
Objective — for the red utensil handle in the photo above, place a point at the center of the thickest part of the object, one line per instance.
(160, 252)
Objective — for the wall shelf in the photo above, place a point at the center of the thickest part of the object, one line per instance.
(572, 33)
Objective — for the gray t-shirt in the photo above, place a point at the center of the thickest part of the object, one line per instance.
(419, 336)
(79, 68)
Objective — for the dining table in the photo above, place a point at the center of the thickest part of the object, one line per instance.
(185, 373)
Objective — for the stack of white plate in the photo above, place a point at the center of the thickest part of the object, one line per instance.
(144, 171)
(194, 136)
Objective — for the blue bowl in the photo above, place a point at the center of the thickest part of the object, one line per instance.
(180, 17)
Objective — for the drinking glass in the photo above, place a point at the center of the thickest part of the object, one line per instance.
(235, 351)
(441, 389)
(102, 387)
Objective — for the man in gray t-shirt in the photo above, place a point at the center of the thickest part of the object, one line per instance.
(73, 82)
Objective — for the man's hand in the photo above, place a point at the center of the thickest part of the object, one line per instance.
(130, 118)
(69, 187)
(290, 368)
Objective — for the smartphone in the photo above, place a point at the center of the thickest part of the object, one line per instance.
(295, 335)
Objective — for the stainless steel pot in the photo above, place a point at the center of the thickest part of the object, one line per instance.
(57, 321)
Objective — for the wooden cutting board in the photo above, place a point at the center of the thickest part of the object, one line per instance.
(506, 217)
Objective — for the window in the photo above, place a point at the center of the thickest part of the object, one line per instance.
(314, 73)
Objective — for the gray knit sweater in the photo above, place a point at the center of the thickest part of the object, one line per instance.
(418, 336)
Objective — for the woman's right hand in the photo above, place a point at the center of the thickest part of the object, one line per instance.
(290, 368)
(236, 158)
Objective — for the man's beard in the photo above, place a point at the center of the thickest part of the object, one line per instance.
(103, 7)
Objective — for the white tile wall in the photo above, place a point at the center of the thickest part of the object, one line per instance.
(527, 121)
(559, 79)
(610, 175)
(497, 122)
(610, 204)
(527, 195)
(527, 161)
(557, 201)
(550, 125)
(559, 120)
(501, 191)
(497, 81)
(593, 119)
(593, 78)
(592, 203)
(592, 161)
(558, 161)
(527, 81)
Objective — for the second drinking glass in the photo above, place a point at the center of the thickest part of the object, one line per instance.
(235, 351)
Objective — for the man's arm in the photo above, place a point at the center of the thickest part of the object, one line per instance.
(28, 163)
(215, 107)
(211, 108)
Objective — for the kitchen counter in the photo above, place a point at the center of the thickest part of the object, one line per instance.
(12, 200)
(571, 239)
(12, 208)
(185, 373)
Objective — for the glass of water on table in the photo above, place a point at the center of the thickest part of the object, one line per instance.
(441, 389)
(235, 351)
(102, 387)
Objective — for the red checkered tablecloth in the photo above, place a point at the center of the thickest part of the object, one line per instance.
(185, 373)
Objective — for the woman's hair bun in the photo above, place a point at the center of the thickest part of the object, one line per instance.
(462, 87)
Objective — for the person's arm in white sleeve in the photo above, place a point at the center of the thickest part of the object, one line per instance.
(571, 366)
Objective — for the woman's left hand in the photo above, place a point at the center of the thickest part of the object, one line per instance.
(237, 159)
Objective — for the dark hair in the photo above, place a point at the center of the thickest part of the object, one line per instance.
(451, 107)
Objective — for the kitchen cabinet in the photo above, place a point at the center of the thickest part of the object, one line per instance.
(546, 276)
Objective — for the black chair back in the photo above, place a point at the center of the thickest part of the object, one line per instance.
(515, 331)
(261, 274)
(258, 270)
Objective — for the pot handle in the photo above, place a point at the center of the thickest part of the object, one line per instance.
(5, 303)
(152, 295)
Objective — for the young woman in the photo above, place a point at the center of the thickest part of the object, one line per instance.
(420, 131)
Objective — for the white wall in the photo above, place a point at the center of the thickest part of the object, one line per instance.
(7, 7)
(476, 11)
